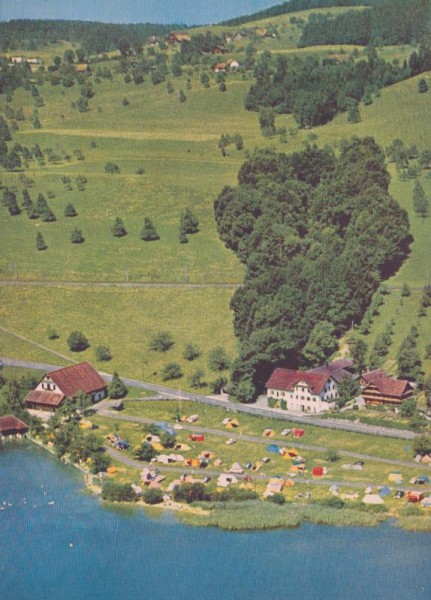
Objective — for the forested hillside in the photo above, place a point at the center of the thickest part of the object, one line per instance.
(388, 22)
(317, 234)
(315, 90)
(294, 6)
(92, 37)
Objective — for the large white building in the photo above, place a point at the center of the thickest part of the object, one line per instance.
(302, 391)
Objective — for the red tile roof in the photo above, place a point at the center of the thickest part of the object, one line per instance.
(82, 377)
(387, 386)
(44, 398)
(11, 423)
(286, 379)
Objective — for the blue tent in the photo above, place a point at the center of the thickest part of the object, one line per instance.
(384, 491)
(273, 448)
(423, 479)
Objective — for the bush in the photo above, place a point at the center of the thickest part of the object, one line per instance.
(277, 499)
(103, 353)
(171, 371)
(218, 384)
(191, 352)
(332, 502)
(161, 342)
(152, 496)
(117, 389)
(52, 334)
(77, 341)
(146, 452)
(118, 492)
(272, 402)
(217, 359)
(190, 492)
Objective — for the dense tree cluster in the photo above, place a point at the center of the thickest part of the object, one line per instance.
(389, 22)
(317, 233)
(93, 37)
(315, 90)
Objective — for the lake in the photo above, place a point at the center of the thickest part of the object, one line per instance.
(57, 542)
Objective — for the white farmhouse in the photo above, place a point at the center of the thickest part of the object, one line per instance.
(302, 391)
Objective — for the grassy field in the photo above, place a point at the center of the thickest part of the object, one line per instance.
(176, 144)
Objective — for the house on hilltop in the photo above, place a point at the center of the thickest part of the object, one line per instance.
(303, 391)
(66, 383)
(379, 388)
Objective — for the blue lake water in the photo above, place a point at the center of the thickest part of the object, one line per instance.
(78, 549)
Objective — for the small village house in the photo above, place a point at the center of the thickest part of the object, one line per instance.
(378, 388)
(10, 425)
(57, 385)
(303, 391)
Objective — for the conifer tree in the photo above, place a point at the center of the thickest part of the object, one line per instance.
(40, 242)
(149, 233)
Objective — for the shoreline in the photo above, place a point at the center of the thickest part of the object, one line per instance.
(267, 514)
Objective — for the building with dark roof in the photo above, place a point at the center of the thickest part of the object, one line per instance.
(66, 383)
(339, 370)
(302, 391)
(379, 388)
(10, 425)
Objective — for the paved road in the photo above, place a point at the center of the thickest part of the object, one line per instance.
(254, 439)
(246, 408)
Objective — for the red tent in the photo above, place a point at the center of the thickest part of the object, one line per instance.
(317, 471)
(298, 433)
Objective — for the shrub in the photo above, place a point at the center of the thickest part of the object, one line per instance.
(191, 352)
(103, 353)
(117, 389)
(118, 492)
(190, 492)
(152, 496)
(161, 342)
(217, 359)
(277, 499)
(77, 341)
(171, 371)
(272, 402)
(146, 452)
(52, 334)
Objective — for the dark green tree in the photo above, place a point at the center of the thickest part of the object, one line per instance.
(358, 351)
(181, 96)
(422, 86)
(161, 342)
(218, 359)
(77, 341)
(149, 233)
(117, 389)
(322, 342)
(189, 223)
(196, 379)
(118, 229)
(409, 362)
(40, 242)
(191, 352)
(103, 353)
(76, 236)
(171, 371)
(70, 210)
(348, 389)
(420, 201)
(112, 168)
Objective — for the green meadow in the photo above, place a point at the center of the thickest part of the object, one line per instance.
(176, 145)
